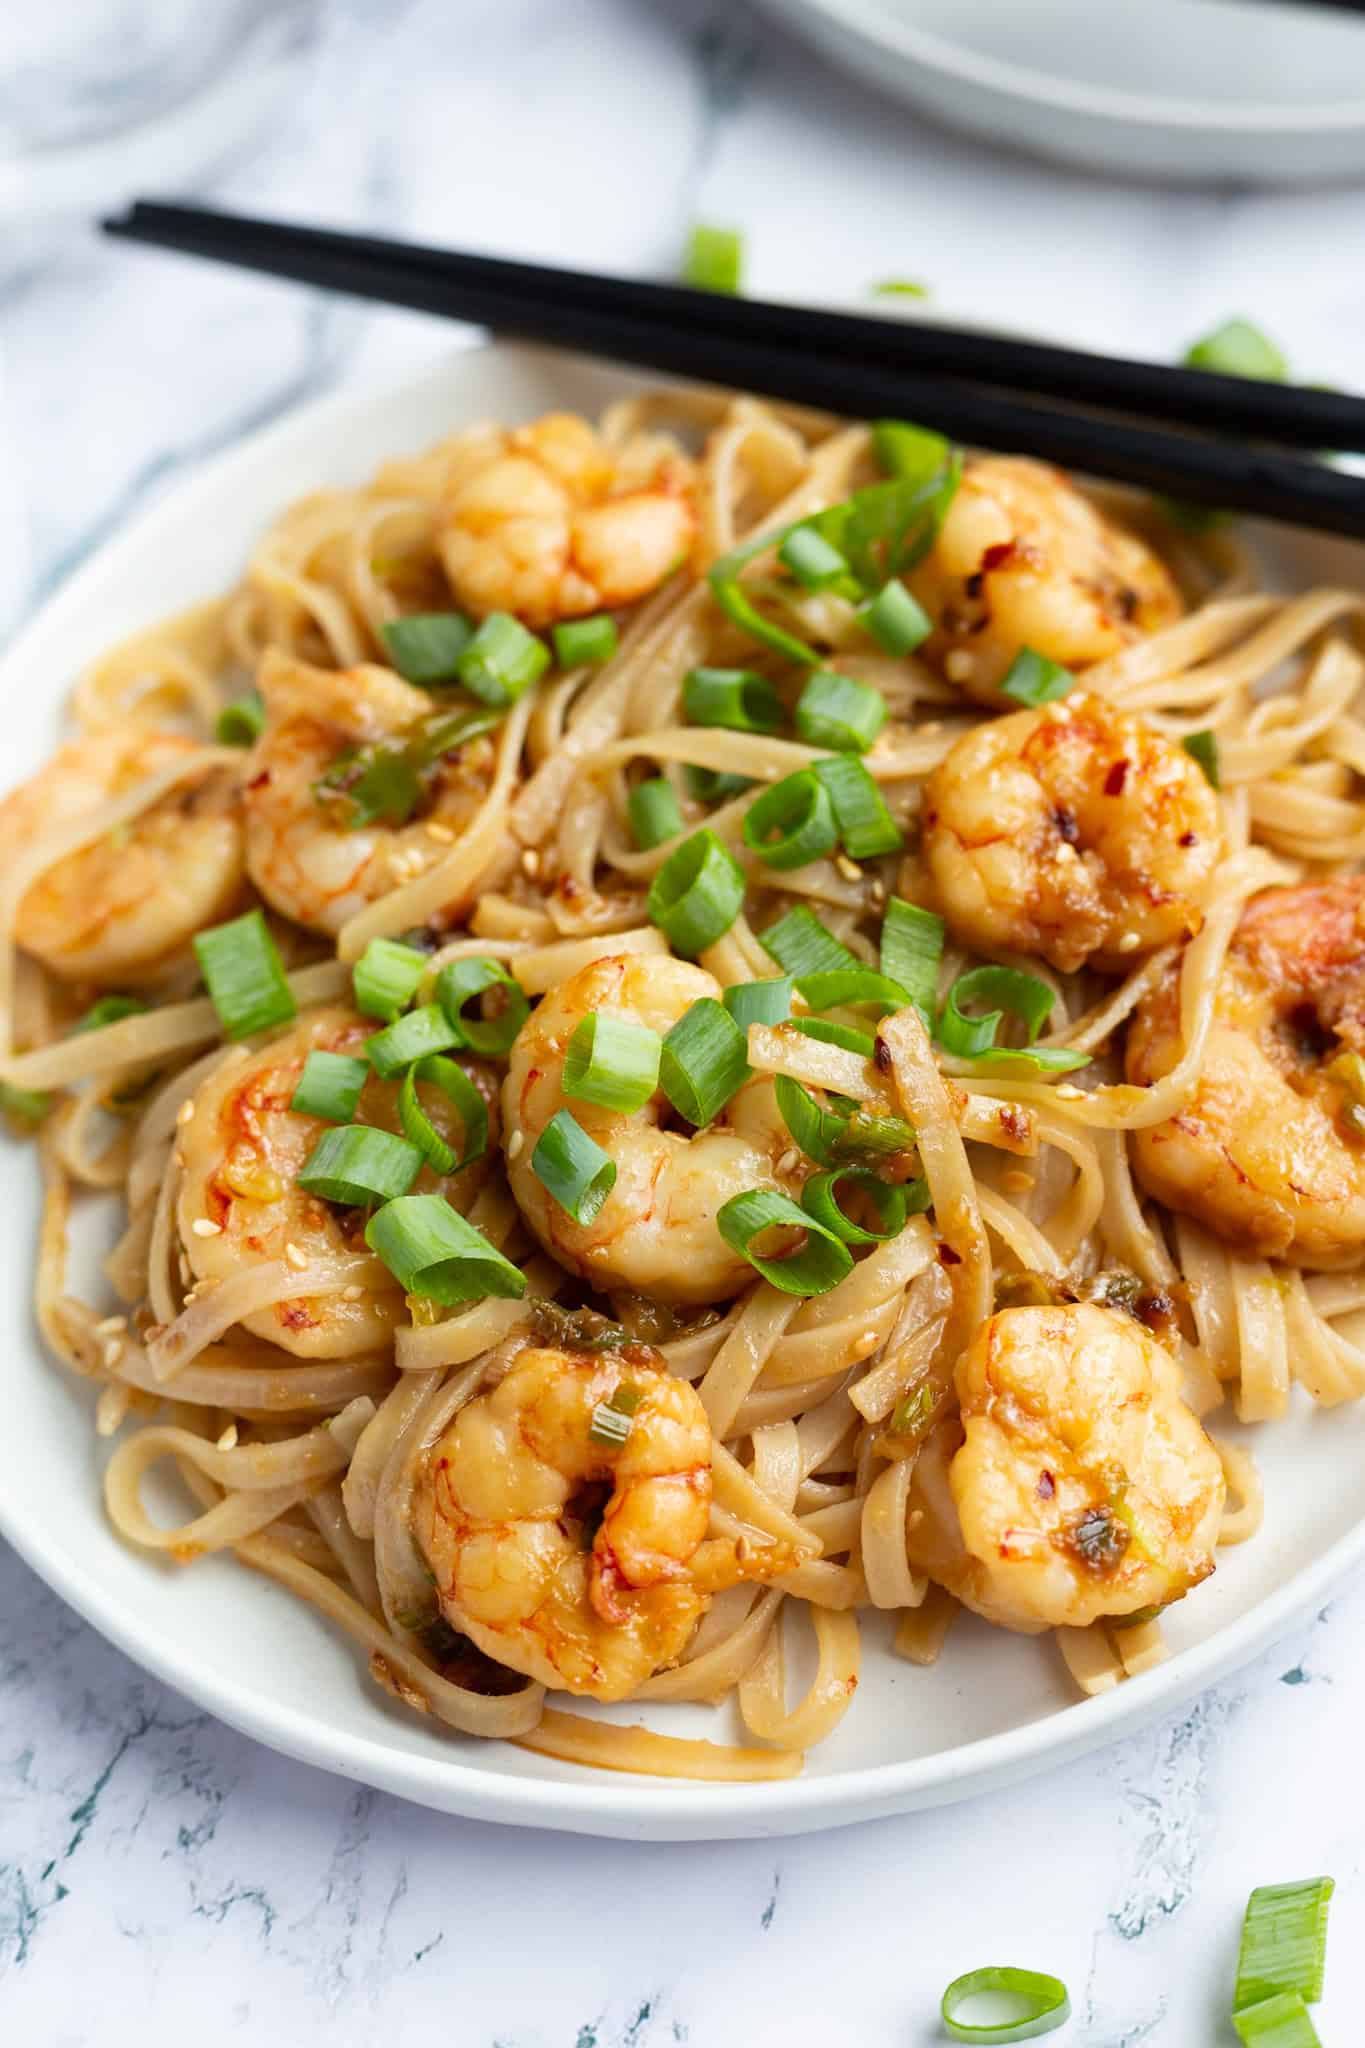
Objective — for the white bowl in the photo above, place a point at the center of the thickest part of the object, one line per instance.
(995, 1708)
(1210, 90)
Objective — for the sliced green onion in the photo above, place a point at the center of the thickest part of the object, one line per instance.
(585, 643)
(1023, 995)
(842, 1035)
(792, 823)
(736, 698)
(609, 1425)
(244, 976)
(833, 988)
(705, 1060)
(329, 1086)
(713, 785)
(654, 812)
(899, 288)
(426, 647)
(457, 985)
(409, 1039)
(1284, 1941)
(356, 1164)
(372, 785)
(23, 1105)
(110, 1010)
(866, 826)
(696, 895)
(242, 721)
(912, 1416)
(385, 978)
(811, 559)
(1041, 2004)
(572, 1167)
(759, 1002)
(714, 259)
(838, 1137)
(836, 711)
(502, 660)
(737, 605)
(1033, 680)
(612, 1063)
(911, 949)
(801, 944)
(1203, 748)
(896, 620)
(820, 1199)
(1237, 349)
(464, 1098)
(1278, 2022)
(917, 454)
(434, 1253)
(816, 1265)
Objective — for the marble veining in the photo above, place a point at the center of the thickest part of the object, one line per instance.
(164, 1880)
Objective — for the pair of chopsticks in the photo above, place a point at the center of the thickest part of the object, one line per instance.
(1116, 418)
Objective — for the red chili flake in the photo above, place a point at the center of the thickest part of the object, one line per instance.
(973, 585)
(1115, 779)
(1189, 839)
(997, 555)
(260, 781)
(882, 1056)
(1047, 1486)
(948, 1257)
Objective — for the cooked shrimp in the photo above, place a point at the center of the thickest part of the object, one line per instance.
(119, 910)
(506, 1510)
(1270, 1150)
(1024, 559)
(1078, 1484)
(656, 1232)
(242, 1147)
(1076, 831)
(549, 522)
(303, 854)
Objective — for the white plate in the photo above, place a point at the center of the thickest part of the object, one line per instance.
(995, 1708)
(1220, 90)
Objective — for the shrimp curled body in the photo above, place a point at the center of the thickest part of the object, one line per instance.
(656, 1232)
(1075, 831)
(1077, 1484)
(548, 522)
(1269, 1152)
(503, 1511)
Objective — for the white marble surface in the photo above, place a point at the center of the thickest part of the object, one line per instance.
(161, 1879)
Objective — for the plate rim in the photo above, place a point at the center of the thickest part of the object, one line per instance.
(601, 1803)
(925, 47)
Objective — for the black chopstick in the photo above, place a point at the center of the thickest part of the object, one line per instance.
(1292, 415)
(524, 300)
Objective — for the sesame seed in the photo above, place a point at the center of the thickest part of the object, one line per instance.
(204, 1226)
(113, 1351)
(112, 1326)
(959, 666)
(1129, 943)
(185, 1111)
(530, 861)
(352, 1293)
(443, 834)
(295, 1256)
(228, 1440)
(1065, 853)
(516, 1144)
(1065, 1092)
(789, 1161)
(849, 869)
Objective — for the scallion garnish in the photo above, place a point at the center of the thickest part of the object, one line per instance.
(842, 1035)
(1279, 2022)
(110, 1010)
(973, 1038)
(1284, 1941)
(792, 823)
(833, 988)
(463, 1097)
(845, 1137)
(1237, 349)
(696, 895)
(654, 812)
(714, 785)
(714, 259)
(609, 1425)
(704, 1062)
(242, 721)
(357, 1164)
(409, 1039)
(911, 948)
(735, 698)
(23, 1105)
(329, 1086)
(801, 944)
(1032, 679)
(502, 660)
(759, 1002)
(425, 648)
(896, 620)
(737, 605)
(1203, 748)
(866, 826)
(811, 559)
(585, 643)
(817, 1262)
(1041, 2005)
(244, 976)
(611, 1063)
(572, 1167)
(820, 1198)
(385, 978)
(457, 986)
(914, 453)
(384, 781)
(836, 711)
(435, 1254)
(899, 288)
